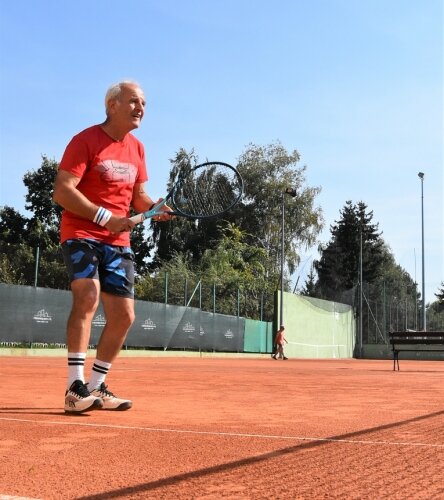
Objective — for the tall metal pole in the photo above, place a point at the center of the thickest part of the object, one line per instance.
(281, 315)
(360, 298)
(292, 192)
(423, 312)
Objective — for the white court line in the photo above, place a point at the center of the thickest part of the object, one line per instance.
(9, 497)
(225, 434)
(316, 345)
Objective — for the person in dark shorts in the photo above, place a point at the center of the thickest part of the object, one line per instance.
(279, 343)
(101, 175)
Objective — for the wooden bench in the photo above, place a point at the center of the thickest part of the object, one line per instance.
(415, 341)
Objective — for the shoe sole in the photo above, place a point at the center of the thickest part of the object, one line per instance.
(97, 405)
(122, 407)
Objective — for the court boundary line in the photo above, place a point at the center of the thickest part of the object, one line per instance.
(338, 439)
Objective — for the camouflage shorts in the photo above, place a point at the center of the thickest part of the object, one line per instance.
(112, 265)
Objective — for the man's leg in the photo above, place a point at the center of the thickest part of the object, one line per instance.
(119, 312)
(85, 293)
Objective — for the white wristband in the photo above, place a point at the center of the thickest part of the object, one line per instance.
(102, 216)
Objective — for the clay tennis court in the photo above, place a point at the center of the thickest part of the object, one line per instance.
(239, 428)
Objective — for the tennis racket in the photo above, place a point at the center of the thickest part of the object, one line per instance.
(204, 191)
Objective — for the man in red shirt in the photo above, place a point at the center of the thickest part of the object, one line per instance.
(100, 176)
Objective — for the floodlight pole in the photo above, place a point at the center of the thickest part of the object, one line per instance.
(423, 312)
(292, 192)
(281, 302)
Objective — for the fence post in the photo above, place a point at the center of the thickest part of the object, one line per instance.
(37, 258)
(166, 287)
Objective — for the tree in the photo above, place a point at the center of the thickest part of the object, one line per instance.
(309, 289)
(12, 228)
(18, 257)
(40, 185)
(440, 297)
(339, 263)
(435, 312)
(267, 172)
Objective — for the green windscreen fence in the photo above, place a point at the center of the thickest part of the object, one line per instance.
(314, 328)
(39, 315)
(317, 328)
(258, 336)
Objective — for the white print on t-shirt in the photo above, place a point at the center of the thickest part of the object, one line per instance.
(116, 171)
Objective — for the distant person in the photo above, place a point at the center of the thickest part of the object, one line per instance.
(279, 343)
(100, 176)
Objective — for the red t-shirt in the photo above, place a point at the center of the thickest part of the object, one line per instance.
(280, 337)
(108, 170)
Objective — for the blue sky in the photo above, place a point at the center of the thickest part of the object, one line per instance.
(356, 86)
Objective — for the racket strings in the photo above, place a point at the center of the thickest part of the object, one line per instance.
(208, 191)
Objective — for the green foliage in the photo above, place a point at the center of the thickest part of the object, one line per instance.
(440, 297)
(435, 317)
(267, 172)
(142, 247)
(339, 264)
(435, 311)
(40, 185)
(309, 288)
(232, 266)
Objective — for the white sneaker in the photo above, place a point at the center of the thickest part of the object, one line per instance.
(109, 400)
(78, 399)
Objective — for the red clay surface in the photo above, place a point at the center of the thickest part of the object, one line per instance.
(207, 428)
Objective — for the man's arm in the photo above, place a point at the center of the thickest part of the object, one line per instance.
(141, 202)
(70, 198)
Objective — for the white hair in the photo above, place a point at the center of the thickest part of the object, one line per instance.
(116, 89)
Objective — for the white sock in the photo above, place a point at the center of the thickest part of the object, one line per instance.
(98, 374)
(76, 365)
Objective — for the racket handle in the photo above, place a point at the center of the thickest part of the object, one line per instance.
(137, 219)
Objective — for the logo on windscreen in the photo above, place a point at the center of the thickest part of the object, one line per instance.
(148, 324)
(99, 320)
(42, 317)
(229, 334)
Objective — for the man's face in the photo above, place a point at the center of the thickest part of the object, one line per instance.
(128, 109)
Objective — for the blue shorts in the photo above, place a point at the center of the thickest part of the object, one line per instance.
(112, 265)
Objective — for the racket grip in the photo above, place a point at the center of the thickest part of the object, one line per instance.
(137, 219)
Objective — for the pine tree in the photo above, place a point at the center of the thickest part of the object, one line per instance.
(440, 297)
(339, 264)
